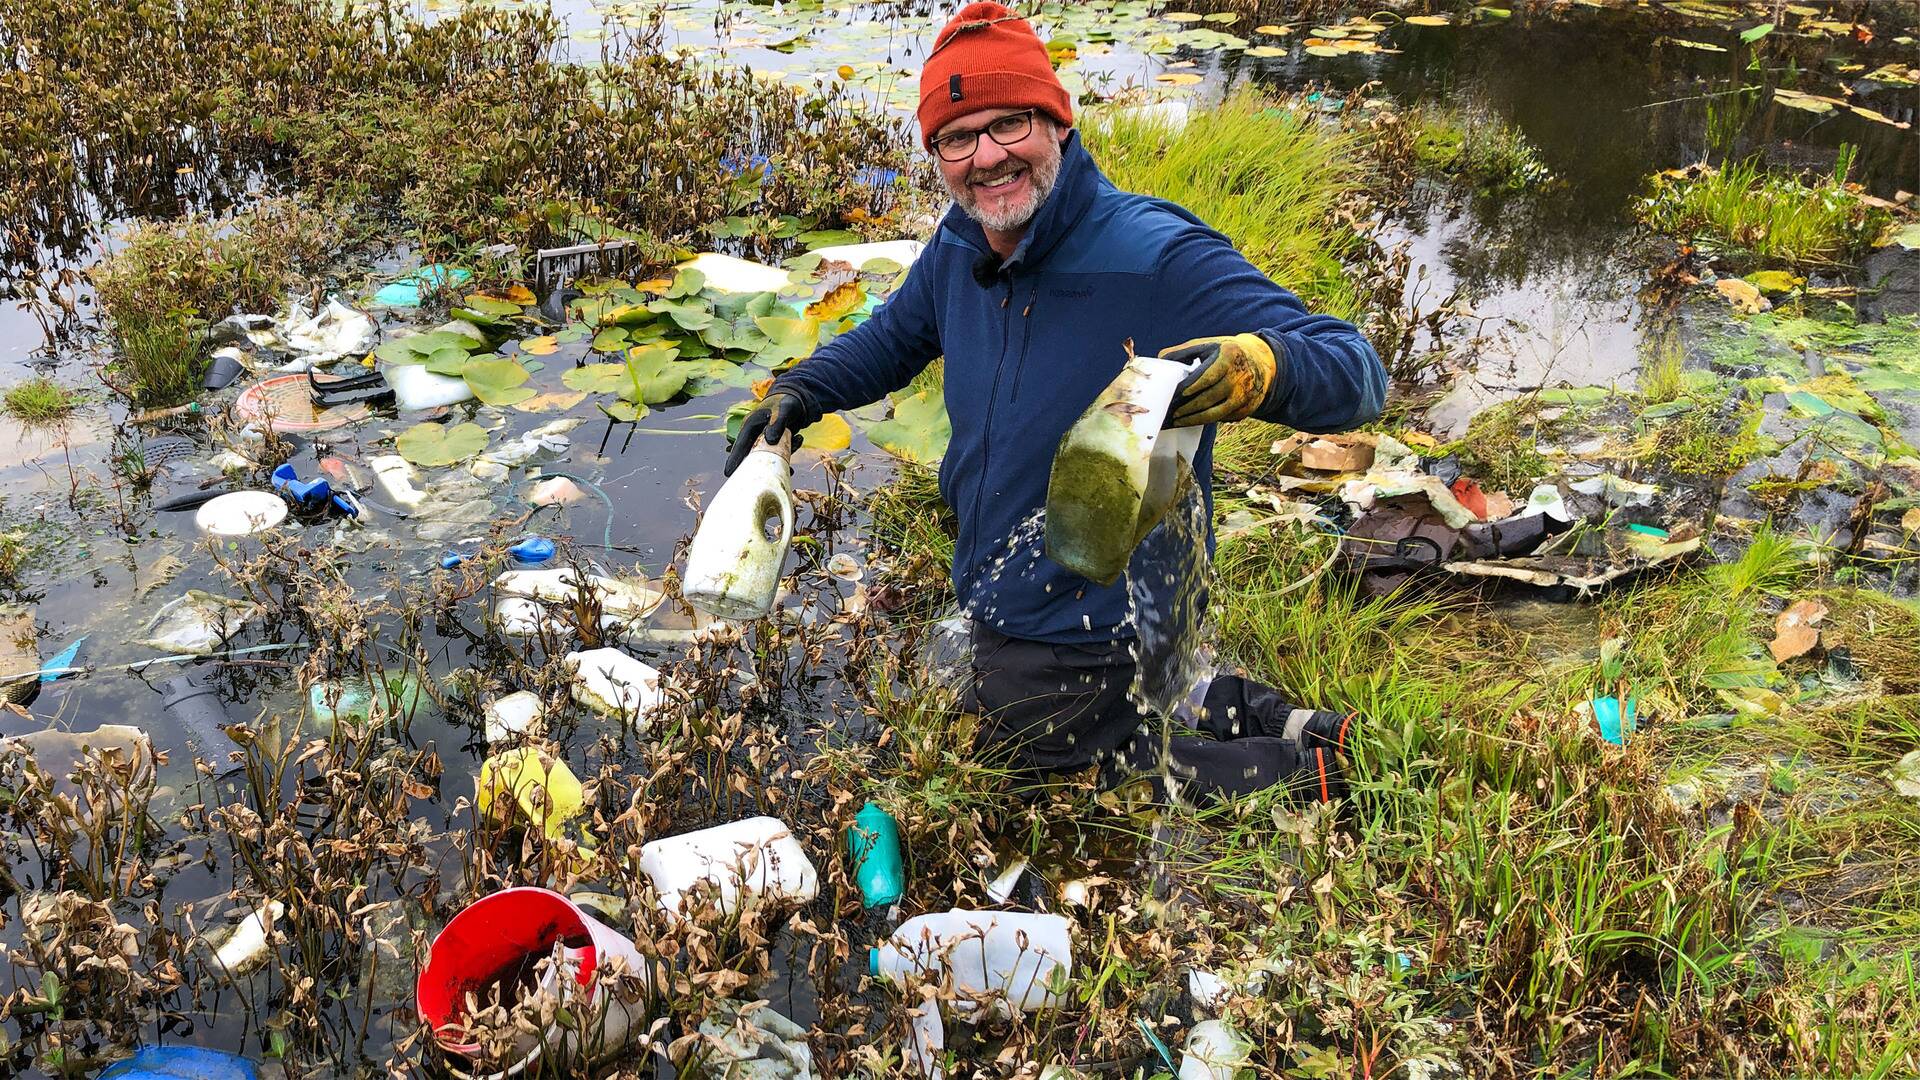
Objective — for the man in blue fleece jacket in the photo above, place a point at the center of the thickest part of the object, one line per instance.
(1031, 288)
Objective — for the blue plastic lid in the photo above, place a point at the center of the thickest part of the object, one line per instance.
(534, 549)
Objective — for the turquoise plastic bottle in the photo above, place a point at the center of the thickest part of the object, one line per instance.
(873, 842)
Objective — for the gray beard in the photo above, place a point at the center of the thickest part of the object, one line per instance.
(1044, 175)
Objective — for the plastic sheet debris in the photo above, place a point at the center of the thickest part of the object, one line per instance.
(181, 1063)
(739, 866)
(1212, 991)
(405, 292)
(225, 366)
(246, 946)
(540, 786)
(549, 437)
(1606, 715)
(1003, 883)
(609, 681)
(622, 604)
(596, 977)
(1616, 490)
(1905, 777)
(513, 716)
(335, 333)
(1214, 1051)
(126, 751)
(196, 623)
(750, 1042)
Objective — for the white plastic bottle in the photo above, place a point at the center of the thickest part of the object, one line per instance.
(745, 862)
(1009, 959)
(733, 566)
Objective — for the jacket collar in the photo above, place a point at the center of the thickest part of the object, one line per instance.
(1073, 193)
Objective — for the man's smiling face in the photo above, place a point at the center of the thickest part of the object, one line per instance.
(1002, 187)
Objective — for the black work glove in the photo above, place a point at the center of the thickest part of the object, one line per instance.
(779, 413)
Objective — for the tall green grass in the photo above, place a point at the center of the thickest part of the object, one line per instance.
(1744, 209)
(1264, 174)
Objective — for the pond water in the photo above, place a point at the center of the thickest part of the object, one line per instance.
(1552, 276)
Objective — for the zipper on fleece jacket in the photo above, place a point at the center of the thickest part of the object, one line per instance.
(993, 395)
(1026, 338)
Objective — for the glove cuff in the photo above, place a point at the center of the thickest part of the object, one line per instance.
(1274, 351)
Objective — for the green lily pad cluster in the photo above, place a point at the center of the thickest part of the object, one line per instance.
(494, 379)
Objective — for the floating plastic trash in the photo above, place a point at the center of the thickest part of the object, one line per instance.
(246, 947)
(393, 478)
(733, 565)
(610, 681)
(1214, 1051)
(338, 331)
(1011, 959)
(415, 388)
(180, 1063)
(196, 707)
(622, 603)
(289, 401)
(227, 365)
(724, 273)
(550, 437)
(1116, 472)
(240, 513)
(512, 716)
(56, 668)
(546, 792)
(903, 252)
(555, 491)
(1606, 714)
(873, 843)
(486, 947)
(739, 865)
(532, 551)
(333, 700)
(196, 623)
(757, 1043)
(312, 493)
(405, 291)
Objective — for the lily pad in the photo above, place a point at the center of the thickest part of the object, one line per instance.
(831, 433)
(415, 348)
(625, 411)
(596, 378)
(687, 282)
(545, 345)
(435, 444)
(712, 376)
(498, 381)
(489, 305)
(654, 375)
(686, 314)
(919, 429)
(450, 361)
(1774, 281)
(610, 340)
(788, 338)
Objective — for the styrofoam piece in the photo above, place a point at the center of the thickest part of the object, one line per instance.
(724, 273)
(745, 862)
(246, 947)
(903, 252)
(414, 387)
(610, 681)
(240, 513)
(513, 715)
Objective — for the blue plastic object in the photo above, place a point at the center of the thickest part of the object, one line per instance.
(181, 1063)
(873, 842)
(1606, 712)
(313, 492)
(532, 551)
(52, 669)
(452, 559)
(405, 292)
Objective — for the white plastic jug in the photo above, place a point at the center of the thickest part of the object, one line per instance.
(733, 567)
(1117, 471)
(1008, 959)
(746, 863)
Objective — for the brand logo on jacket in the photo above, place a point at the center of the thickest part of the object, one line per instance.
(1071, 294)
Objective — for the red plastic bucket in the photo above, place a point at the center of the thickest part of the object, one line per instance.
(497, 936)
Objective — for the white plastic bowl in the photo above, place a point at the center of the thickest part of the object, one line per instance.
(241, 513)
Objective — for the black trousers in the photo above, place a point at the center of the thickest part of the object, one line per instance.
(1049, 709)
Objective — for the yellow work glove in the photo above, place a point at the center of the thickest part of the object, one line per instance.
(1235, 375)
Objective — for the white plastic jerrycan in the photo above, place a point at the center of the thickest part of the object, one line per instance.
(1117, 470)
(733, 567)
(745, 863)
(1009, 960)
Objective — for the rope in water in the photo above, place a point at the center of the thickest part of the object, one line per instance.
(606, 537)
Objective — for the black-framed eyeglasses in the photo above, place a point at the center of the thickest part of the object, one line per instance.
(1006, 130)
